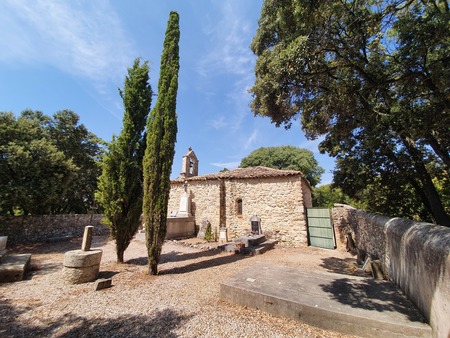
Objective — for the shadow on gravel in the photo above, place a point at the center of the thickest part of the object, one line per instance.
(212, 257)
(372, 295)
(160, 324)
(107, 274)
(205, 264)
(176, 256)
(57, 247)
(346, 266)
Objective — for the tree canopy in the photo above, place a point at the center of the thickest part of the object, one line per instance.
(121, 182)
(287, 158)
(326, 196)
(48, 165)
(372, 77)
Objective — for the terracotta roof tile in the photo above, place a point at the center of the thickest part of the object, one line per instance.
(243, 173)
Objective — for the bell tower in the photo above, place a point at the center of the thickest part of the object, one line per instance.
(189, 167)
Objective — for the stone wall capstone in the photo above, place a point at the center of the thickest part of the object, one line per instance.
(37, 228)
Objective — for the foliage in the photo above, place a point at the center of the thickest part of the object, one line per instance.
(160, 151)
(326, 196)
(208, 232)
(287, 158)
(120, 184)
(48, 165)
(84, 149)
(372, 78)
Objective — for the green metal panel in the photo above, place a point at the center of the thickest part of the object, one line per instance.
(320, 229)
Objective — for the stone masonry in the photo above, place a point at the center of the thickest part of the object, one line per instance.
(278, 197)
(414, 255)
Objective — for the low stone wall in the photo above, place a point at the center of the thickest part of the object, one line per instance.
(414, 255)
(31, 229)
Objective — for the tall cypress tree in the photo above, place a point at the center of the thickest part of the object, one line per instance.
(120, 185)
(161, 138)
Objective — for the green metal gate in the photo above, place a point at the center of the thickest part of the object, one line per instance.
(320, 229)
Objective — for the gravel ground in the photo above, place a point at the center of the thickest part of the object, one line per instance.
(182, 301)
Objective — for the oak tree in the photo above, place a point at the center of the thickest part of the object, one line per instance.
(372, 77)
(287, 158)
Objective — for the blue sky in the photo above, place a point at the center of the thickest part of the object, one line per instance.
(75, 54)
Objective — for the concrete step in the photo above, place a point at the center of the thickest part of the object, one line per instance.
(243, 245)
(251, 240)
(260, 248)
(348, 304)
(14, 267)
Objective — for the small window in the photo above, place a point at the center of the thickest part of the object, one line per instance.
(239, 206)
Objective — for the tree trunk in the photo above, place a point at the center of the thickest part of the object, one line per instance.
(429, 195)
(440, 151)
(120, 256)
(153, 267)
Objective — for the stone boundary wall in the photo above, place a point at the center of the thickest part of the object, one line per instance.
(414, 255)
(32, 229)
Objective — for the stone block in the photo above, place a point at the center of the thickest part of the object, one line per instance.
(81, 266)
(80, 258)
(80, 275)
(14, 267)
(3, 254)
(102, 284)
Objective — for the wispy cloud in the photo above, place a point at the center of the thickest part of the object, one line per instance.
(228, 165)
(219, 123)
(229, 51)
(230, 59)
(312, 145)
(85, 39)
(251, 139)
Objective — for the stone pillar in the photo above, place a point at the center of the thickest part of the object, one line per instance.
(87, 238)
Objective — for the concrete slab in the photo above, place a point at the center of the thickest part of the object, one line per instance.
(342, 303)
(13, 267)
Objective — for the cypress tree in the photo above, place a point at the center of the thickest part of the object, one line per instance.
(120, 185)
(160, 150)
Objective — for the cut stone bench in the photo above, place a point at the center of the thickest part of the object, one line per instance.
(14, 267)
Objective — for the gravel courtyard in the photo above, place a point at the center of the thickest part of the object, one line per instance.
(182, 301)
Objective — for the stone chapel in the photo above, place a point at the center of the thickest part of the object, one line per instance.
(231, 198)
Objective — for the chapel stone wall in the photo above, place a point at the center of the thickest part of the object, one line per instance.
(278, 201)
(204, 197)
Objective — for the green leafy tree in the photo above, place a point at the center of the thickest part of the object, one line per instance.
(287, 158)
(372, 77)
(120, 185)
(160, 151)
(85, 151)
(326, 196)
(34, 174)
